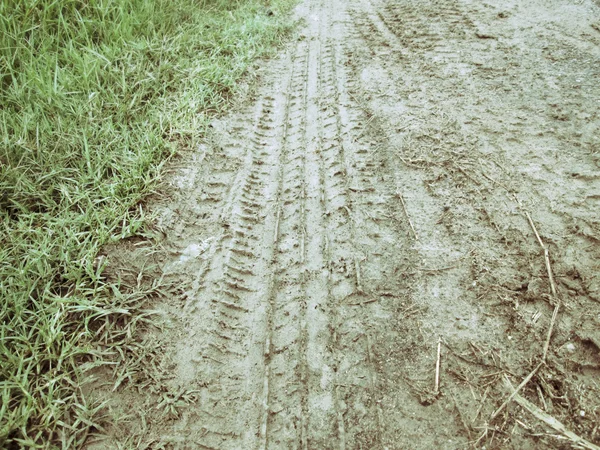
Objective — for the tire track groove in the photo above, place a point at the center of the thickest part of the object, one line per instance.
(286, 358)
(233, 284)
(320, 379)
(283, 427)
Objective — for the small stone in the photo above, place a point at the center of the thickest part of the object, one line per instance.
(570, 347)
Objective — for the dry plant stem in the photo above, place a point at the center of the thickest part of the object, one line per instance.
(549, 336)
(552, 286)
(437, 367)
(521, 386)
(546, 255)
(537, 235)
(541, 396)
(481, 404)
(441, 269)
(364, 128)
(549, 270)
(359, 287)
(548, 419)
(407, 216)
(495, 182)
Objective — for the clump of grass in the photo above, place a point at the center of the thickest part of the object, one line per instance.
(94, 97)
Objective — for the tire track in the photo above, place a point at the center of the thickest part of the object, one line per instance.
(352, 333)
(302, 345)
(323, 423)
(321, 246)
(283, 422)
(357, 241)
(426, 28)
(333, 204)
(312, 304)
(290, 355)
(425, 25)
(379, 234)
(230, 302)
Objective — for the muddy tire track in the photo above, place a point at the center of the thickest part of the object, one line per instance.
(236, 288)
(290, 346)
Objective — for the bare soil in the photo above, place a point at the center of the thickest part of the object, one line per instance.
(374, 197)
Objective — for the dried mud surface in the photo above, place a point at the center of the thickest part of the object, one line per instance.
(378, 192)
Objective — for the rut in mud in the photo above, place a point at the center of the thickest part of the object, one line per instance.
(278, 334)
(370, 201)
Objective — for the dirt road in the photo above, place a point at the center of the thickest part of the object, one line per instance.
(379, 192)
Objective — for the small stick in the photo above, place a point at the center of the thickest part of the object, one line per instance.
(484, 434)
(359, 287)
(549, 270)
(527, 427)
(521, 386)
(372, 300)
(481, 404)
(436, 390)
(552, 322)
(541, 396)
(552, 286)
(407, 216)
(495, 182)
(537, 235)
(441, 269)
(464, 172)
(546, 255)
(548, 419)
(556, 306)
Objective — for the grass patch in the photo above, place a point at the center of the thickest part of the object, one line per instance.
(94, 97)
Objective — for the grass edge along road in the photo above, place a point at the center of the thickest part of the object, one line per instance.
(94, 98)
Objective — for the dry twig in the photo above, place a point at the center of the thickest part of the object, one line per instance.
(548, 419)
(407, 216)
(521, 386)
(437, 368)
(552, 285)
(359, 287)
(481, 404)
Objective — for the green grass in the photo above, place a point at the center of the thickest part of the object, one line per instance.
(94, 97)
